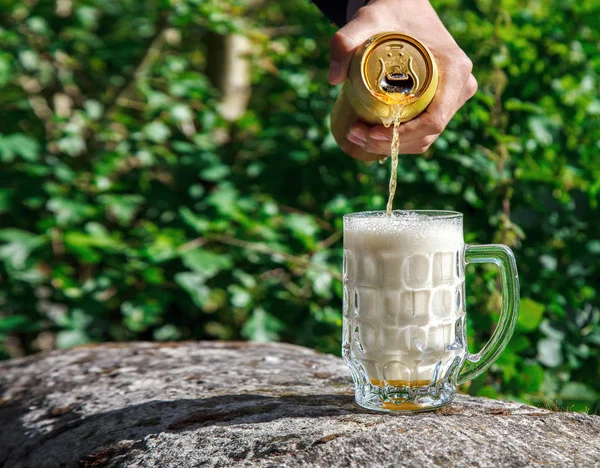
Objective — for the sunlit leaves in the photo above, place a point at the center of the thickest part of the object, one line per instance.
(530, 314)
(18, 145)
(262, 327)
(205, 262)
(16, 246)
(131, 209)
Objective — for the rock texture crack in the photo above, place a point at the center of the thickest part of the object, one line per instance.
(215, 404)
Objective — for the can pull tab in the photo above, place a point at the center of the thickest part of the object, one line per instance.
(397, 83)
(398, 77)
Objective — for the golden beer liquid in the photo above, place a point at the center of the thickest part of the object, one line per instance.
(401, 405)
(394, 152)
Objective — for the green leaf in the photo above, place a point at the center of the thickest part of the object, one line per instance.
(593, 247)
(549, 262)
(215, 173)
(195, 222)
(551, 332)
(122, 207)
(530, 314)
(519, 344)
(225, 200)
(70, 212)
(577, 391)
(75, 240)
(193, 284)
(239, 296)
(302, 225)
(69, 338)
(162, 248)
(29, 59)
(157, 131)
(181, 113)
(321, 282)
(533, 377)
(139, 315)
(204, 262)
(328, 315)
(167, 333)
(539, 128)
(5, 200)
(88, 16)
(507, 361)
(246, 279)
(73, 145)
(79, 320)
(262, 327)
(18, 145)
(5, 69)
(93, 109)
(14, 323)
(17, 247)
(550, 352)
(488, 391)
(87, 244)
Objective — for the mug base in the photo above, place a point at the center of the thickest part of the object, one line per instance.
(404, 399)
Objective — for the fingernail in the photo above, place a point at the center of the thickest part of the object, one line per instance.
(356, 137)
(379, 136)
(334, 70)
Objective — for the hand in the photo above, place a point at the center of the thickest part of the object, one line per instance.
(456, 83)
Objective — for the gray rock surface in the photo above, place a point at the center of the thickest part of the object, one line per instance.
(240, 404)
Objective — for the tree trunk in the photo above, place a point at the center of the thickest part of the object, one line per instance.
(229, 70)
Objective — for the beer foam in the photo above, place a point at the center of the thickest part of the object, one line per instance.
(430, 231)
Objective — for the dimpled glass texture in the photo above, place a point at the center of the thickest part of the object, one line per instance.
(404, 308)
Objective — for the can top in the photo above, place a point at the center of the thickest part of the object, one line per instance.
(397, 68)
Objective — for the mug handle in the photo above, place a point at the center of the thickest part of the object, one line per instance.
(502, 256)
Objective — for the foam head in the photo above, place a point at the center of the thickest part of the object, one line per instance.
(421, 231)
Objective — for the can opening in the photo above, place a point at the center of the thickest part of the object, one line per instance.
(397, 83)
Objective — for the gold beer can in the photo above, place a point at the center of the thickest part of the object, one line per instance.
(389, 70)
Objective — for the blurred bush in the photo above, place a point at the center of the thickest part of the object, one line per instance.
(130, 208)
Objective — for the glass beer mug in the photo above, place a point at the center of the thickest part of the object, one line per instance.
(404, 323)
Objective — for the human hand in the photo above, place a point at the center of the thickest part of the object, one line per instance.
(456, 82)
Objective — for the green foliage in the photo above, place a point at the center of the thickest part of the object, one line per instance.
(131, 209)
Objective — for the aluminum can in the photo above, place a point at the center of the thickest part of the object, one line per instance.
(390, 69)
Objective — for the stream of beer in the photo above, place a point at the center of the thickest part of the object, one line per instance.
(396, 114)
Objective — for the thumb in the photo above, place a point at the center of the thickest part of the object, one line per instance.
(345, 42)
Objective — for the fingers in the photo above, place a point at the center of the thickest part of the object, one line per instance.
(416, 136)
(342, 49)
(419, 128)
(454, 78)
(360, 135)
(347, 39)
(469, 90)
(406, 147)
(406, 133)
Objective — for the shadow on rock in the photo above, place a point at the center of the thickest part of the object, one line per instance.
(77, 440)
